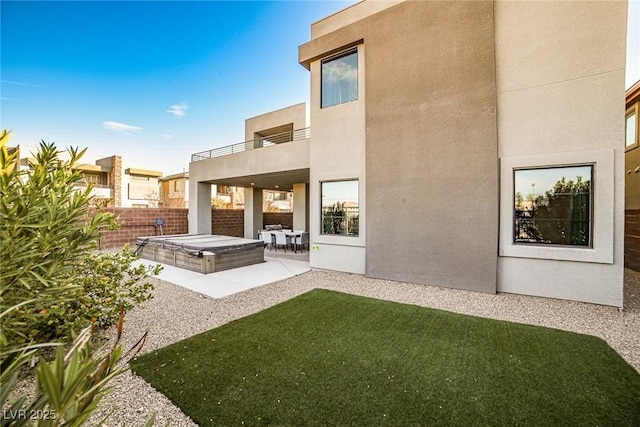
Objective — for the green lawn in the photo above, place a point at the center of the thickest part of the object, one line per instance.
(327, 358)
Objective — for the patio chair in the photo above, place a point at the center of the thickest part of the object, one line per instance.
(267, 238)
(281, 240)
(301, 240)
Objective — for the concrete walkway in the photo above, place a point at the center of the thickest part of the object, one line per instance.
(229, 282)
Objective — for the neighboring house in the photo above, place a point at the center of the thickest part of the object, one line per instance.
(277, 201)
(632, 154)
(131, 186)
(471, 109)
(632, 178)
(227, 197)
(174, 191)
(118, 183)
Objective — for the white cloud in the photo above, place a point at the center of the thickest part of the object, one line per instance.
(336, 71)
(11, 82)
(167, 136)
(120, 127)
(178, 110)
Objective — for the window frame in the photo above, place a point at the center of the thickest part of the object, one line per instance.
(96, 179)
(321, 222)
(590, 218)
(602, 212)
(342, 54)
(634, 109)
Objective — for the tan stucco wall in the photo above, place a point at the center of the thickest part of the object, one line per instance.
(560, 85)
(430, 200)
(337, 153)
(296, 115)
(300, 206)
(349, 15)
(282, 157)
(431, 145)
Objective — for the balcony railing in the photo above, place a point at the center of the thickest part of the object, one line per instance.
(275, 139)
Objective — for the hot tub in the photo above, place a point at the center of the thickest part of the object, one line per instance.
(204, 253)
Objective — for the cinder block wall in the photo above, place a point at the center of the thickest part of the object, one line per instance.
(227, 222)
(632, 239)
(284, 218)
(136, 222)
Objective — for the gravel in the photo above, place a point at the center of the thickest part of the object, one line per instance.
(177, 313)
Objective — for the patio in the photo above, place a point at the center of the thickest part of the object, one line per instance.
(277, 266)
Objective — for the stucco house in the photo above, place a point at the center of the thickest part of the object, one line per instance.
(632, 178)
(502, 122)
(118, 182)
(174, 191)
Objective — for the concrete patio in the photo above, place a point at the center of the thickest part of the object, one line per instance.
(277, 266)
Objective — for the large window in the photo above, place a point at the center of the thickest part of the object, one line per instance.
(340, 79)
(340, 213)
(553, 206)
(556, 219)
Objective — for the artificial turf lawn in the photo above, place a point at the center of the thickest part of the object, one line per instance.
(327, 358)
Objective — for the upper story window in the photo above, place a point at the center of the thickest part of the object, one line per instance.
(340, 78)
(631, 127)
(95, 179)
(553, 205)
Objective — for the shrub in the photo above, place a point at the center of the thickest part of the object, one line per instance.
(53, 283)
(69, 388)
(105, 283)
(49, 270)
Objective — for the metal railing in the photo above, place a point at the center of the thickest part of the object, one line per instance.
(275, 139)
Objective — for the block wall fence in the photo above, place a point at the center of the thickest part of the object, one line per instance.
(141, 222)
(632, 239)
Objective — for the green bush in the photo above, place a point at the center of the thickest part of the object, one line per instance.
(68, 388)
(50, 271)
(54, 286)
(105, 283)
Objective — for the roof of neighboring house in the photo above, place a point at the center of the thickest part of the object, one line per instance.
(94, 168)
(145, 172)
(632, 95)
(175, 176)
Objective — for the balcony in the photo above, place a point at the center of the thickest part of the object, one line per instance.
(277, 161)
(100, 191)
(267, 141)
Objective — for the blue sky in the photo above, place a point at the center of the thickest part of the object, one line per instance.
(539, 181)
(158, 81)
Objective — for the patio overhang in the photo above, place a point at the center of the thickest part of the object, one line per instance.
(281, 165)
(277, 181)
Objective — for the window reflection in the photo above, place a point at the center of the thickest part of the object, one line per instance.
(340, 214)
(553, 205)
(340, 79)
